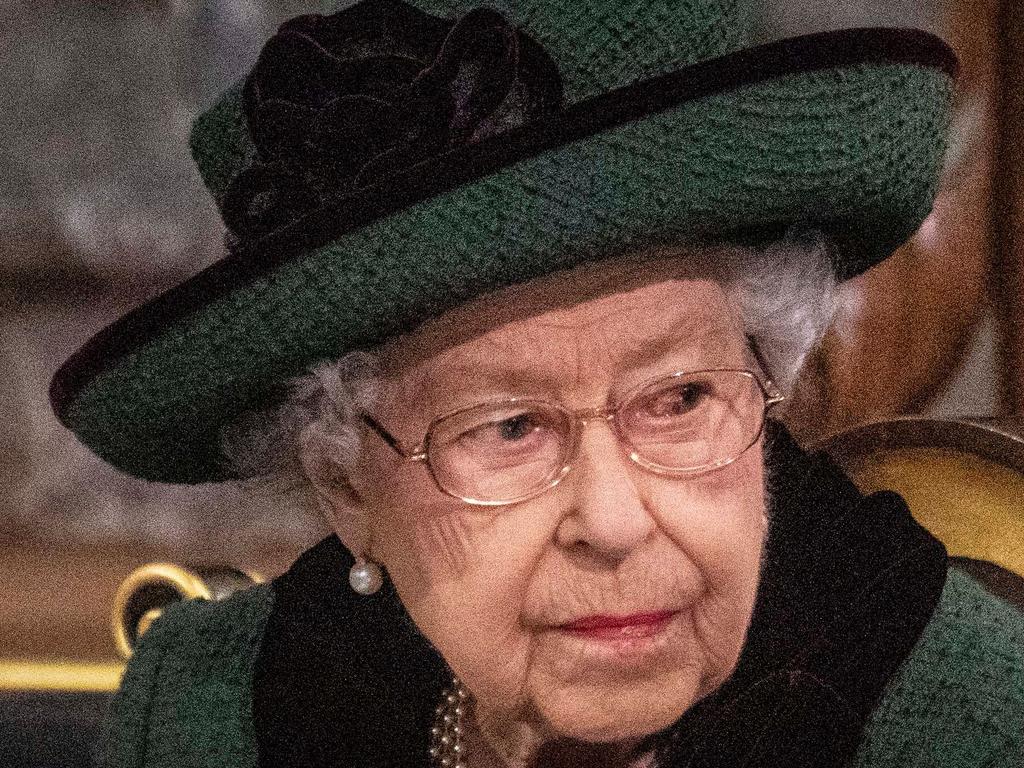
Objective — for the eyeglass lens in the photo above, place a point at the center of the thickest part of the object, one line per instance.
(680, 424)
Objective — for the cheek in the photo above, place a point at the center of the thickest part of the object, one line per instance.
(463, 574)
(420, 534)
(719, 519)
(720, 526)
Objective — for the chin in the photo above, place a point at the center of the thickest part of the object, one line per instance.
(611, 713)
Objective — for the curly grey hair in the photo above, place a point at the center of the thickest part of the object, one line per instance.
(785, 294)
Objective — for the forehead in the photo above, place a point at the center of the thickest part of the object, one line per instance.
(611, 331)
(567, 333)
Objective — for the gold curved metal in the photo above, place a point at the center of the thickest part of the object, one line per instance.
(188, 583)
(147, 621)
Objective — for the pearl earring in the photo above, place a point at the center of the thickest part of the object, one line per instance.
(365, 576)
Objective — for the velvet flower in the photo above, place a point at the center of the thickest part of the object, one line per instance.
(336, 103)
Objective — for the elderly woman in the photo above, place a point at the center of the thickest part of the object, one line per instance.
(510, 297)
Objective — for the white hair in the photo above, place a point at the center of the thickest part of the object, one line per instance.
(785, 294)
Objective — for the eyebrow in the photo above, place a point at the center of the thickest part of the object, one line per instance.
(479, 375)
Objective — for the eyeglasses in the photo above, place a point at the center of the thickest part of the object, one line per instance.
(680, 425)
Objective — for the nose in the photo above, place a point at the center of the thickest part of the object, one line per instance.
(605, 509)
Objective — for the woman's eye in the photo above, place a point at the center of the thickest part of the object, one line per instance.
(679, 400)
(511, 430)
(515, 428)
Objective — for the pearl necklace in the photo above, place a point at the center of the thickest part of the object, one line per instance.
(447, 749)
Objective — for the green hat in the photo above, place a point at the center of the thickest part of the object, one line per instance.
(385, 163)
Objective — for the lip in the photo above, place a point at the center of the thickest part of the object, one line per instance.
(632, 644)
(613, 627)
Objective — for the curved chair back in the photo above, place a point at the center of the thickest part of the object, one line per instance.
(963, 480)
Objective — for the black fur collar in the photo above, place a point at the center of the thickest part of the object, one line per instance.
(849, 583)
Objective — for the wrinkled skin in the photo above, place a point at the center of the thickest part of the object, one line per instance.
(488, 586)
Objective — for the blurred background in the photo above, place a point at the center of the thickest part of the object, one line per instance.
(100, 209)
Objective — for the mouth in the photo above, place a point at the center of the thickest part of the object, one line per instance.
(611, 627)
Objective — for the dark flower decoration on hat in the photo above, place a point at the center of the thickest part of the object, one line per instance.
(336, 103)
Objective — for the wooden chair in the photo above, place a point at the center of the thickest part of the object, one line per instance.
(963, 480)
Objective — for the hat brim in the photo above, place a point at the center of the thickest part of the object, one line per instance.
(842, 132)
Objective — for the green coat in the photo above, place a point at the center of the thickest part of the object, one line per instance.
(862, 651)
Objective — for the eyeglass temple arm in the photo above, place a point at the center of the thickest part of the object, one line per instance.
(384, 435)
(774, 395)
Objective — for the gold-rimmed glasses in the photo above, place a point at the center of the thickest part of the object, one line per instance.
(505, 451)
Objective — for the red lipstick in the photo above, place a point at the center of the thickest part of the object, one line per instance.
(637, 624)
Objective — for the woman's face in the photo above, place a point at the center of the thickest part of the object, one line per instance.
(493, 588)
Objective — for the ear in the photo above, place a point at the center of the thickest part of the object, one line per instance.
(339, 503)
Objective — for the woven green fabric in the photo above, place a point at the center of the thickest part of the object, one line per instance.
(957, 701)
(772, 152)
(185, 698)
